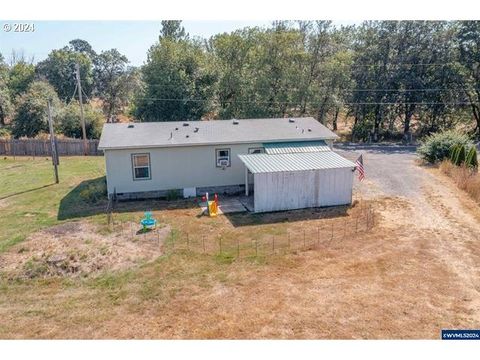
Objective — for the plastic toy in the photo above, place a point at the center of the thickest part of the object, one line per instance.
(148, 222)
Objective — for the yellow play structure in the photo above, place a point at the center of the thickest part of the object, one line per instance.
(212, 206)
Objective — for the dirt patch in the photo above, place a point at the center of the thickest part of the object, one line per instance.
(79, 249)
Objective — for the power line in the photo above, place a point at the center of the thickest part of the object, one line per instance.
(294, 103)
(346, 90)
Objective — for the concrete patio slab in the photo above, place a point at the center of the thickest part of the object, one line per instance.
(227, 205)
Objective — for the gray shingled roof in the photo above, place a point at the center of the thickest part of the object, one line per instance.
(264, 163)
(167, 134)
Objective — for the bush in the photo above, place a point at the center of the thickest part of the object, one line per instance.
(70, 123)
(361, 131)
(453, 153)
(471, 160)
(438, 147)
(94, 192)
(5, 133)
(172, 195)
(31, 116)
(459, 156)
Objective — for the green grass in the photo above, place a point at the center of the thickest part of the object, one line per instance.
(30, 200)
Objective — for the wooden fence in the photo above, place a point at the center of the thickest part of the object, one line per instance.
(36, 147)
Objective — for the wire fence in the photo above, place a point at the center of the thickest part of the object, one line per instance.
(237, 244)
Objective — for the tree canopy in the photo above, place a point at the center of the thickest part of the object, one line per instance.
(391, 79)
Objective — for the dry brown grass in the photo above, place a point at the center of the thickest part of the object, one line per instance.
(399, 281)
(465, 178)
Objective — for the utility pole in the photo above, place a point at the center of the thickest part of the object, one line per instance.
(53, 143)
(84, 131)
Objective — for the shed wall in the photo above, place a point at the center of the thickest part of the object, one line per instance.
(302, 189)
(175, 168)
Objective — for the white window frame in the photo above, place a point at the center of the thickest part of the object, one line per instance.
(135, 178)
(218, 158)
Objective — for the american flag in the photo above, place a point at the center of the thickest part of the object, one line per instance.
(361, 170)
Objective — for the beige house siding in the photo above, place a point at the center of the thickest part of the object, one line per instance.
(175, 168)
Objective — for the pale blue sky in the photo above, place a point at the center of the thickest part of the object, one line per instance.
(132, 38)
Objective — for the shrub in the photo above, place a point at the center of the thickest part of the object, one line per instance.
(172, 195)
(5, 133)
(31, 116)
(94, 192)
(453, 152)
(437, 147)
(471, 160)
(70, 124)
(460, 155)
(361, 131)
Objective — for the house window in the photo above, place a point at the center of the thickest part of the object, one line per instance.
(141, 166)
(258, 150)
(222, 157)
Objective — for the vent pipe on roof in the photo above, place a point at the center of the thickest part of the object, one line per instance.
(291, 120)
(235, 122)
(186, 124)
(130, 126)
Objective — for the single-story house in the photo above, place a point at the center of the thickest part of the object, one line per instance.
(287, 163)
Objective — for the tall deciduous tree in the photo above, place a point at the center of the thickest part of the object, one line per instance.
(113, 81)
(5, 100)
(469, 44)
(178, 81)
(59, 69)
(21, 76)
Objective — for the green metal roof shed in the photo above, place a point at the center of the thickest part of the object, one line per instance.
(295, 147)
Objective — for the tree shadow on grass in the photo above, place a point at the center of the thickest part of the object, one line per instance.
(290, 216)
(89, 198)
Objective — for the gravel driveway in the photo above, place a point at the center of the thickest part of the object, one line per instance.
(424, 212)
(389, 170)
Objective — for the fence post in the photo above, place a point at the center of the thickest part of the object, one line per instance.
(356, 225)
(318, 236)
(158, 237)
(345, 229)
(203, 243)
(220, 245)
